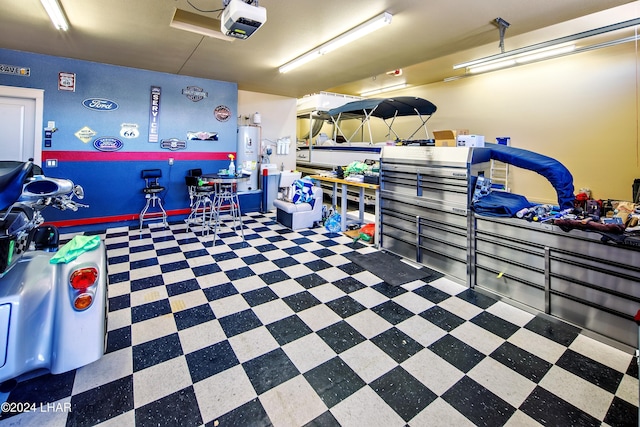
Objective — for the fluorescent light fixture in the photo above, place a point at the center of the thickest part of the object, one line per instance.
(540, 51)
(55, 14)
(384, 89)
(343, 39)
(492, 66)
(535, 55)
(545, 53)
(541, 56)
(194, 23)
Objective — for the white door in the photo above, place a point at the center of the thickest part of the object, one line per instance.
(21, 124)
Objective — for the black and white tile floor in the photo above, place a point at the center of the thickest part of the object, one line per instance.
(283, 330)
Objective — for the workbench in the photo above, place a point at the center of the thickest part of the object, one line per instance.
(361, 186)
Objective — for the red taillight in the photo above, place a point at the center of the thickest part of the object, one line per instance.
(83, 278)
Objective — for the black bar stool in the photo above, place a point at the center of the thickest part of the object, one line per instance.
(151, 191)
(200, 201)
(226, 200)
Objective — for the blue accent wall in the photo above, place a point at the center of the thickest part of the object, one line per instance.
(111, 180)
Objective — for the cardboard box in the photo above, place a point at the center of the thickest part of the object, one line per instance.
(447, 138)
(470, 141)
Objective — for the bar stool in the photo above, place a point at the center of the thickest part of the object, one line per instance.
(227, 197)
(200, 202)
(151, 190)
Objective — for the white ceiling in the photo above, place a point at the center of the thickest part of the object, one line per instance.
(423, 38)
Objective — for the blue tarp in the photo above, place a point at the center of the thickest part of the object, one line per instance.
(501, 203)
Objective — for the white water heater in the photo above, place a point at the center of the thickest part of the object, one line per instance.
(248, 152)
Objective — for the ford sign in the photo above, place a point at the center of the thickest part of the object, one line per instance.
(100, 104)
(107, 144)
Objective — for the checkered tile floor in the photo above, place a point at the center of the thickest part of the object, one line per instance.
(284, 330)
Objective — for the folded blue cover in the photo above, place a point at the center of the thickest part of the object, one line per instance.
(500, 203)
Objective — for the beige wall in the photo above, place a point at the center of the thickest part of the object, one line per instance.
(581, 110)
(278, 114)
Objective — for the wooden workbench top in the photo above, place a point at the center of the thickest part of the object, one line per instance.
(344, 181)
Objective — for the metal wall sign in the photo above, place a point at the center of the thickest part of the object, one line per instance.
(154, 114)
(195, 93)
(173, 144)
(15, 70)
(129, 130)
(100, 104)
(107, 144)
(67, 81)
(202, 136)
(222, 113)
(85, 134)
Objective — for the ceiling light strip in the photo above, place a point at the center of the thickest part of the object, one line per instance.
(384, 89)
(343, 39)
(550, 43)
(54, 10)
(534, 56)
(537, 57)
(483, 68)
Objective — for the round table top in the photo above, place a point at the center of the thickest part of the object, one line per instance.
(217, 178)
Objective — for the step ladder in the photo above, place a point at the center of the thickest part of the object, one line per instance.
(499, 172)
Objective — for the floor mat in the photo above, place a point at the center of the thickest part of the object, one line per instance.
(391, 268)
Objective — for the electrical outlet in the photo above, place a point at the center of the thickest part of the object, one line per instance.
(170, 161)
